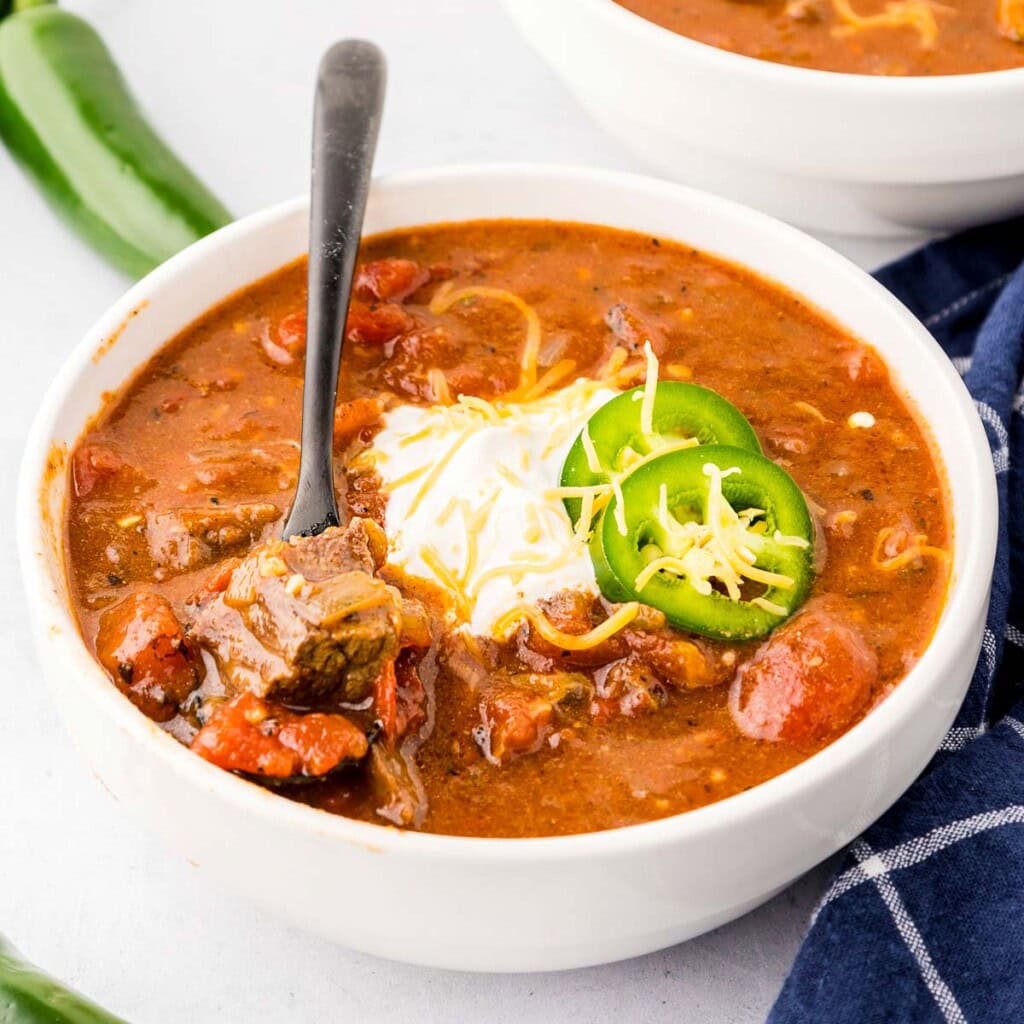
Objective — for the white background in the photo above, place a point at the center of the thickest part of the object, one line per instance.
(83, 890)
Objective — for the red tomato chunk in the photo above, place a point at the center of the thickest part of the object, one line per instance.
(810, 680)
(514, 723)
(376, 325)
(252, 735)
(390, 280)
(142, 645)
(92, 466)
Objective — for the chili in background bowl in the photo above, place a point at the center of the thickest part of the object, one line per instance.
(511, 904)
(830, 151)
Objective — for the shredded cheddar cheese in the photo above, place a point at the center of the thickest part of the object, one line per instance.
(552, 376)
(723, 549)
(918, 15)
(916, 547)
(650, 390)
(812, 410)
(472, 488)
(446, 297)
(1011, 19)
(568, 641)
(620, 507)
(439, 386)
(593, 462)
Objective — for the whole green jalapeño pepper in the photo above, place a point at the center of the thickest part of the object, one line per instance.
(717, 538)
(27, 996)
(67, 117)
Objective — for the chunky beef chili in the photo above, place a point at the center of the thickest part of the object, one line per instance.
(490, 644)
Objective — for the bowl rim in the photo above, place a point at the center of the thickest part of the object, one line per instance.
(52, 617)
(875, 87)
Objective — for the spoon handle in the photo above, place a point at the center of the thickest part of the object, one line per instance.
(346, 119)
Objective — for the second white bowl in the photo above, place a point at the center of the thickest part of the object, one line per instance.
(855, 154)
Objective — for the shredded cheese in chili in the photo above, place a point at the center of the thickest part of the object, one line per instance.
(916, 548)
(446, 296)
(622, 617)
(918, 15)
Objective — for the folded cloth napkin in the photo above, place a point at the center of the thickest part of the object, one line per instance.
(925, 919)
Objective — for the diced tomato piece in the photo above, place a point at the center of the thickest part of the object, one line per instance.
(142, 645)
(287, 343)
(441, 271)
(514, 723)
(498, 378)
(390, 280)
(291, 332)
(322, 742)
(216, 583)
(93, 465)
(385, 700)
(630, 687)
(252, 735)
(811, 678)
(376, 325)
(399, 697)
(352, 416)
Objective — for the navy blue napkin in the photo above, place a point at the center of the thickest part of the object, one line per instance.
(924, 921)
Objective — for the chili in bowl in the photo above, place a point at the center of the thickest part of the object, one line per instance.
(665, 558)
(848, 116)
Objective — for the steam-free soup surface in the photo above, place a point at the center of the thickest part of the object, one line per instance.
(181, 483)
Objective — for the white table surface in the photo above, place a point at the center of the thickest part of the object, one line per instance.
(83, 889)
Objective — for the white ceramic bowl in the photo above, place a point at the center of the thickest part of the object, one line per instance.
(846, 153)
(498, 904)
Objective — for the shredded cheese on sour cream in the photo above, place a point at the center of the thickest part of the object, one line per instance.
(471, 503)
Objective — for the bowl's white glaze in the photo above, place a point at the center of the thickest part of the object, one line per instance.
(491, 904)
(847, 153)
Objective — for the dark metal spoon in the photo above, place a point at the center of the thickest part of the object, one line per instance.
(346, 118)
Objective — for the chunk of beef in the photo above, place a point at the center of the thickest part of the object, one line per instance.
(396, 786)
(254, 736)
(811, 679)
(567, 690)
(630, 329)
(681, 662)
(188, 538)
(308, 619)
(143, 646)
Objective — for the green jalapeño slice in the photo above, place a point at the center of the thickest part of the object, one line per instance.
(615, 441)
(717, 538)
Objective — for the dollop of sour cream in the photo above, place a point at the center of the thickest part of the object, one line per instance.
(469, 498)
